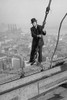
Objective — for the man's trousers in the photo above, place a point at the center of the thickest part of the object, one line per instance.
(34, 51)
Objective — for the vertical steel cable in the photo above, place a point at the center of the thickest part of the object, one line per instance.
(57, 39)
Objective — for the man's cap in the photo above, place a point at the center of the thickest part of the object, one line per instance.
(33, 20)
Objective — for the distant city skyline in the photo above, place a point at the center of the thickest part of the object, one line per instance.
(21, 11)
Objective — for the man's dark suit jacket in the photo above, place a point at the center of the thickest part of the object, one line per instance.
(34, 33)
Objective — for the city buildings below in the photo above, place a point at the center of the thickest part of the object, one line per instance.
(16, 62)
(12, 28)
(10, 62)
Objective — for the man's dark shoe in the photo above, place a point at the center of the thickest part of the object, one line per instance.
(32, 62)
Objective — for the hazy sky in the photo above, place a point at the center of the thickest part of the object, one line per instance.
(21, 11)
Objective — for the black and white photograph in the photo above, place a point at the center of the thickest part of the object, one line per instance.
(33, 49)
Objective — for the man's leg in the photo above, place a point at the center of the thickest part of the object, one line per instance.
(33, 50)
(40, 55)
(32, 55)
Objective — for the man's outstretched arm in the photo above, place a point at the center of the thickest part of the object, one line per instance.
(43, 32)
